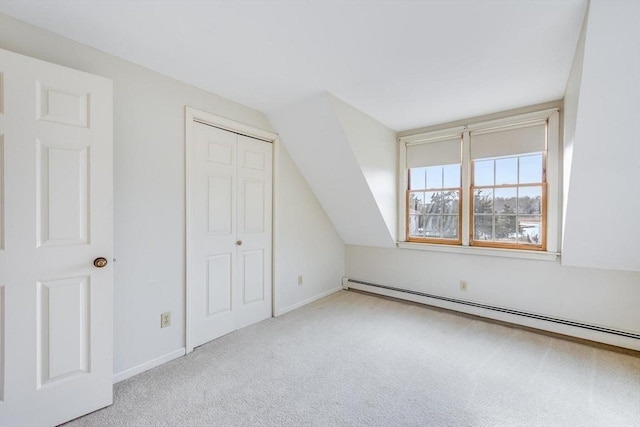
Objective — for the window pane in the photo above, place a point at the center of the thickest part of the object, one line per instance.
(483, 172)
(530, 229)
(422, 225)
(450, 226)
(450, 202)
(531, 169)
(483, 227)
(451, 176)
(483, 201)
(530, 200)
(414, 224)
(417, 178)
(507, 171)
(433, 201)
(434, 177)
(505, 230)
(416, 203)
(505, 201)
(432, 224)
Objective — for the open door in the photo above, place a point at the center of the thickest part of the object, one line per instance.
(56, 242)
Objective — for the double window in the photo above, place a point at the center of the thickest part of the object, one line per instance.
(491, 184)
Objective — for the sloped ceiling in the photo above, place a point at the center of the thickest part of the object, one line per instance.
(392, 66)
(405, 63)
(602, 152)
(322, 135)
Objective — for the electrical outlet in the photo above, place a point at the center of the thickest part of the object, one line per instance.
(165, 319)
(463, 285)
(300, 281)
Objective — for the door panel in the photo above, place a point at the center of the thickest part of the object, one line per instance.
(219, 283)
(222, 150)
(253, 159)
(62, 105)
(254, 230)
(212, 238)
(253, 195)
(57, 204)
(252, 276)
(229, 232)
(63, 329)
(220, 205)
(62, 193)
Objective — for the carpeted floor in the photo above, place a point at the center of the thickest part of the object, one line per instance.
(358, 360)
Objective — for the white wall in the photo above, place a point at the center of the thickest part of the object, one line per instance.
(601, 297)
(602, 225)
(375, 148)
(591, 285)
(318, 144)
(149, 198)
(571, 99)
(308, 244)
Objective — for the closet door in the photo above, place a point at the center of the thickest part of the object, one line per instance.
(253, 230)
(229, 232)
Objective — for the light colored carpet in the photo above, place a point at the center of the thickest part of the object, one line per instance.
(358, 360)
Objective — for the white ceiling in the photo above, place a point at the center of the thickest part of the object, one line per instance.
(406, 63)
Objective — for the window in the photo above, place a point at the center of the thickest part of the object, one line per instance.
(492, 184)
(434, 191)
(434, 203)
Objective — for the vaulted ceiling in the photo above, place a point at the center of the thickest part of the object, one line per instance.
(405, 63)
(337, 78)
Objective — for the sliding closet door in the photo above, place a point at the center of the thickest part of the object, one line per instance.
(229, 232)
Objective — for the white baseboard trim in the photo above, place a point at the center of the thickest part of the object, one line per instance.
(309, 300)
(573, 331)
(138, 369)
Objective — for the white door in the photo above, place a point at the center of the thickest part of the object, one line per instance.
(55, 220)
(229, 232)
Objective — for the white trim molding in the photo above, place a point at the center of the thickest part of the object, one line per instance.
(150, 364)
(625, 339)
(307, 301)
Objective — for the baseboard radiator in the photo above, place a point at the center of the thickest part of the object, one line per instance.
(498, 309)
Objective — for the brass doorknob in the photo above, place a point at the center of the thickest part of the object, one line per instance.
(239, 243)
(100, 262)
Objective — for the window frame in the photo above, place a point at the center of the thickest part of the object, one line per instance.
(543, 209)
(408, 191)
(551, 209)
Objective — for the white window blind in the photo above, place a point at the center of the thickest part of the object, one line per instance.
(508, 142)
(434, 153)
